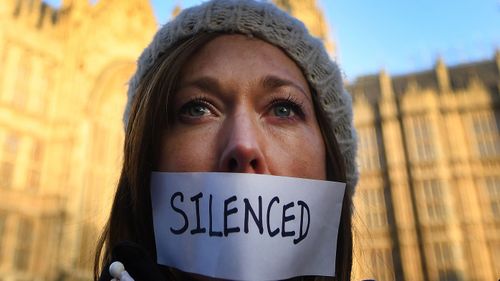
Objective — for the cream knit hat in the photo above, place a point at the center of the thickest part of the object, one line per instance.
(267, 22)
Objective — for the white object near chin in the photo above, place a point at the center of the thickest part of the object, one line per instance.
(246, 226)
(117, 270)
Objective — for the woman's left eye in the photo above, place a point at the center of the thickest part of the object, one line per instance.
(286, 109)
(283, 110)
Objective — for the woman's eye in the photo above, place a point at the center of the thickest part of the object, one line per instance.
(283, 110)
(287, 108)
(195, 109)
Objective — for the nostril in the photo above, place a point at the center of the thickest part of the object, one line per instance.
(253, 164)
(233, 164)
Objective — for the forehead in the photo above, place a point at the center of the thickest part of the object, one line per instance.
(239, 53)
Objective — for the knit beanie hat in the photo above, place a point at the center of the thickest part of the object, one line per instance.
(266, 22)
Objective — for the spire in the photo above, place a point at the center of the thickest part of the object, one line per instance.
(385, 84)
(312, 16)
(177, 9)
(497, 59)
(443, 78)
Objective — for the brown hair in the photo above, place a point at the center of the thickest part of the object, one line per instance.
(131, 217)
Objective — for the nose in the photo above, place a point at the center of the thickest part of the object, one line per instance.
(243, 144)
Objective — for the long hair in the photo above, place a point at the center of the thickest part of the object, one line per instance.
(131, 214)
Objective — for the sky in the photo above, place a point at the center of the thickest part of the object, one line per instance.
(400, 36)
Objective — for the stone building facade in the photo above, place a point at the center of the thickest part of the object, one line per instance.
(428, 200)
(63, 75)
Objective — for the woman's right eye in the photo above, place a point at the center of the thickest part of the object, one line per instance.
(196, 109)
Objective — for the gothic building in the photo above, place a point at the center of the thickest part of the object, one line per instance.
(428, 200)
(63, 75)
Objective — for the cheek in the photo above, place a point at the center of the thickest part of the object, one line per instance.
(181, 152)
(302, 155)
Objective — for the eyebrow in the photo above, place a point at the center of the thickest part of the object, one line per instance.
(272, 82)
(205, 84)
(269, 82)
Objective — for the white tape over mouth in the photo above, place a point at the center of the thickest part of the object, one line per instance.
(246, 226)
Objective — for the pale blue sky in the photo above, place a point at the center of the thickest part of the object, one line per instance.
(399, 35)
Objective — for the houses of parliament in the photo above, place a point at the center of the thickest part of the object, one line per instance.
(427, 206)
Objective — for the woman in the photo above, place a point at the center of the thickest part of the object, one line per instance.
(229, 86)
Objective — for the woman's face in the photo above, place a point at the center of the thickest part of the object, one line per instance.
(243, 106)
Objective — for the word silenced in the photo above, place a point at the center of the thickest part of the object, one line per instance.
(256, 214)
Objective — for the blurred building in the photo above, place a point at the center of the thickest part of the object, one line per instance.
(312, 16)
(428, 200)
(63, 77)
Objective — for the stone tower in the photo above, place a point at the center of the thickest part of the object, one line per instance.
(312, 16)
